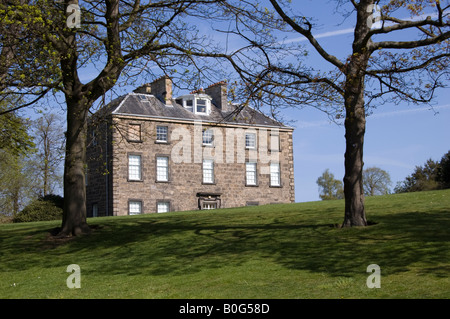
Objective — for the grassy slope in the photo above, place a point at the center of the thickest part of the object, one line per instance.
(278, 251)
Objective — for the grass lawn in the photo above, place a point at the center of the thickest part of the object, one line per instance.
(276, 251)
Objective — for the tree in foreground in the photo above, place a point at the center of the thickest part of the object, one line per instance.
(403, 57)
(329, 187)
(46, 44)
(376, 181)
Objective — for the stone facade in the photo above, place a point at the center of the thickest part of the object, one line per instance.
(134, 168)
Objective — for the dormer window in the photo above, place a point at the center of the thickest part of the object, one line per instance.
(196, 103)
(189, 105)
(201, 106)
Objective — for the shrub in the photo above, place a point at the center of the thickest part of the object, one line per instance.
(49, 207)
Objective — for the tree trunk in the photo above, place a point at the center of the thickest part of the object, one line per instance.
(46, 163)
(74, 217)
(355, 119)
(353, 185)
(355, 126)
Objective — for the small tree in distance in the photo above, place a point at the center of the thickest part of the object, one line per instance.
(329, 187)
(376, 181)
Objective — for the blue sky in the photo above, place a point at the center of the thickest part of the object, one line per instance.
(398, 137)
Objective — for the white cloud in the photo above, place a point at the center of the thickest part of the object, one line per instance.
(321, 35)
(408, 111)
(350, 30)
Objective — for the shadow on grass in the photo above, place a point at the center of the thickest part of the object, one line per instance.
(180, 245)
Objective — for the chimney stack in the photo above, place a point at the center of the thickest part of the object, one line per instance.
(161, 88)
(218, 93)
(144, 88)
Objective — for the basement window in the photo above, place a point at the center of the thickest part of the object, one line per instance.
(209, 205)
(162, 207)
(134, 207)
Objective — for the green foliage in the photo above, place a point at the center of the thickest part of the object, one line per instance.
(444, 171)
(18, 182)
(14, 136)
(329, 187)
(432, 175)
(49, 207)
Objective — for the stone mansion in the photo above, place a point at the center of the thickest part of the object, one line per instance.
(148, 152)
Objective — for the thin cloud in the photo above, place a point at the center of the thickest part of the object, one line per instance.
(408, 111)
(322, 35)
(351, 30)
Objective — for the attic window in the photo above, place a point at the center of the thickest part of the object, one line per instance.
(189, 105)
(143, 98)
(196, 103)
(201, 106)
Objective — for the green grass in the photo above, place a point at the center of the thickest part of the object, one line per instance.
(275, 251)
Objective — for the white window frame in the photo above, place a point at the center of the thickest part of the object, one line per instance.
(162, 206)
(159, 134)
(193, 99)
(209, 205)
(162, 168)
(134, 168)
(190, 108)
(208, 171)
(251, 175)
(250, 143)
(134, 207)
(275, 174)
(206, 105)
(208, 137)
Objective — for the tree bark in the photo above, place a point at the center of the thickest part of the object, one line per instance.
(355, 127)
(74, 217)
(355, 124)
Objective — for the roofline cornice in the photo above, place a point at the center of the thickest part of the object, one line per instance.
(193, 121)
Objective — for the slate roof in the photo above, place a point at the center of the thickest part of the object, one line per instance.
(147, 105)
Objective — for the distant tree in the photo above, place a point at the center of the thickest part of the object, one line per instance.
(49, 137)
(376, 181)
(16, 176)
(424, 178)
(17, 182)
(329, 187)
(444, 171)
